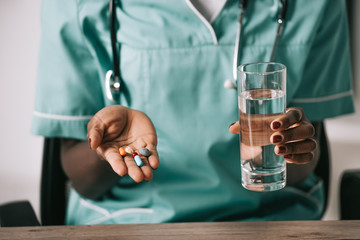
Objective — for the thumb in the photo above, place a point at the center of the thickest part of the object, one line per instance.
(95, 129)
(235, 128)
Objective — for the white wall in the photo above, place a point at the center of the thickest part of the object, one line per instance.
(20, 160)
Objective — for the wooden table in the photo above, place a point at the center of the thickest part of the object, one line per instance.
(192, 231)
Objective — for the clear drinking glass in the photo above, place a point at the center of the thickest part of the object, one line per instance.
(262, 98)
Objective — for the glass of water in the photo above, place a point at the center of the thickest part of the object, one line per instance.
(262, 98)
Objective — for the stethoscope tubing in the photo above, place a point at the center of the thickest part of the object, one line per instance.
(113, 79)
(281, 17)
(243, 5)
(112, 11)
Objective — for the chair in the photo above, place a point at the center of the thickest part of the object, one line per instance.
(17, 214)
(53, 196)
(323, 167)
(350, 195)
(53, 193)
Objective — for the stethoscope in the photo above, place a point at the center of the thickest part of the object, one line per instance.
(113, 80)
(280, 19)
(112, 77)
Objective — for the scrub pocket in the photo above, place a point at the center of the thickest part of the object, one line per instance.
(88, 212)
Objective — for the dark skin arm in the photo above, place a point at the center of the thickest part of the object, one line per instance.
(90, 176)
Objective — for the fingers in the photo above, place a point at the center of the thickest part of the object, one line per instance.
(291, 117)
(303, 131)
(250, 152)
(308, 145)
(235, 128)
(291, 132)
(299, 158)
(296, 144)
(112, 156)
(153, 159)
(293, 137)
(123, 165)
(138, 174)
(297, 152)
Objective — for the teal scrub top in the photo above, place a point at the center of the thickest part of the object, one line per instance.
(173, 66)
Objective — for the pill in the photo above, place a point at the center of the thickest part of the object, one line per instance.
(122, 151)
(129, 150)
(138, 160)
(145, 152)
(134, 154)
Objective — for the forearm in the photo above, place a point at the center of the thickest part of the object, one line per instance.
(90, 176)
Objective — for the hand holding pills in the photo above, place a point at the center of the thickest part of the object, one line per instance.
(116, 133)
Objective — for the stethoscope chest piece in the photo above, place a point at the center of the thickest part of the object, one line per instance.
(112, 86)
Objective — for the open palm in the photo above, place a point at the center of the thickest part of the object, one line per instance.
(117, 126)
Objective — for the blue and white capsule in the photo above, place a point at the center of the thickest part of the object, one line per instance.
(138, 160)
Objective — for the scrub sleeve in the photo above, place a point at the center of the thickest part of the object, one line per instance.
(325, 89)
(68, 89)
(173, 65)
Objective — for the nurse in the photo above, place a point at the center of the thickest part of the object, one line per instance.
(174, 59)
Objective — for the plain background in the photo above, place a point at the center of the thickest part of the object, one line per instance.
(21, 152)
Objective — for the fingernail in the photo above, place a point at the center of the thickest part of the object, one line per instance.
(277, 138)
(232, 124)
(282, 149)
(276, 125)
(288, 156)
(90, 143)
